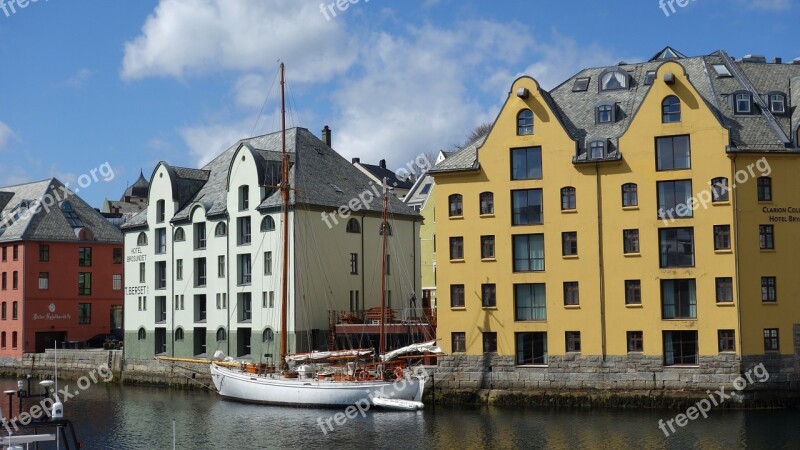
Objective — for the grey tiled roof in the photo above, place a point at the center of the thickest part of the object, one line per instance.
(464, 159)
(48, 222)
(381, 173)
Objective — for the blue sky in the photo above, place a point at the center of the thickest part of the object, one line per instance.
(134, 82)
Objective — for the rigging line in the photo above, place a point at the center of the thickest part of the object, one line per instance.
(292, 106)
(264, 105)
(397, 248)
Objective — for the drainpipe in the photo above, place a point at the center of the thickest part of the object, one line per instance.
(228, 284)
(602, 262)
(736, 260)
(172, 283)
(363, 292)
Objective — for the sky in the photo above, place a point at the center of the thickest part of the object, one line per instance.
(90, 84)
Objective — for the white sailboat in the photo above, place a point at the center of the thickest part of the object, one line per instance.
(318, 381)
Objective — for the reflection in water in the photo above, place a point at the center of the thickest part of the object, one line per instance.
(115, 417)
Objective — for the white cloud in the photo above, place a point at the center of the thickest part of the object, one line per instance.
(6, 135)
(79, 79)
(185, 37)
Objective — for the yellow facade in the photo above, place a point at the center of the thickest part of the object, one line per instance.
(602, 266)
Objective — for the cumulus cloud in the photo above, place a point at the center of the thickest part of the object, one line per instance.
(185, 37)
(6, 135)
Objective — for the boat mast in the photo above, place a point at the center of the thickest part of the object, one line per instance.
(285, 197)
(384, 232)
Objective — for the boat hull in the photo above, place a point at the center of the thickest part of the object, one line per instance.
(237, 385)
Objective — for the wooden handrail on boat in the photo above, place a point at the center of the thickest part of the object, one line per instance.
(199, 361)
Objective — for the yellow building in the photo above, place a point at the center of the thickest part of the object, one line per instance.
(631, 228)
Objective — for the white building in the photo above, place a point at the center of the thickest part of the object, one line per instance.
(203, 262)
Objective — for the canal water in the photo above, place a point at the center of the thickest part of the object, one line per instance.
(120, 417)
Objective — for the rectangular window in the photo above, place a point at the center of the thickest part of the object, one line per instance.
(267, 263)
(5, 253)
(526, 163)
(85, 256)
(117, 256)
(635, 342)
(676, 247)
(727, 340)
(456, 295)
(84, 313)
(719, 190)
(766, 237)
(44, 253)
(199, 236)
(678, 299)
(178, 269)
(199, 272)
(14, 311)
(673, 153)
(571, 293)
(44, 280)
(764, 187)
(85, 283)
(680, 348)
(161, 274)
(355, 301)
(15, 280)
(573, 341)
(633, 292)
(674, 199)
(5, 280)
(530, 302)
(4, 311)
(245, 269)
(161, 309)
(15, 252)
(487, 247)
(771, 341)
(221, 266)
(531, 348)
(724, 289)
(200, 311)
(459, 339)
(388, 265)
(528, 253)
(630, 195)
(142, 274)
(353, 263)
(630, 241)
(116, 282)
(569, 243)
(489, 295)
(245, 306)
(161, 241)
(527, 207)
(722, 237)
(243, 225)
(456, 248)
(769, 292)
(489, 342)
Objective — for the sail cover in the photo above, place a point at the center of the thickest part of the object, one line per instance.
(317, 356)
(425, 347)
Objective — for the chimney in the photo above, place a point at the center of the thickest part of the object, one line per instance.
(326, 135)
(382, 164)
(356, 160)
(778, 61)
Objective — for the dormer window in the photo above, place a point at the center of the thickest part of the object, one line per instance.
(597, 150)
(650, 77)
(581, 84)
(614, 79)
(743, 104)
(525, 122)
(777, 103)
(605, 113)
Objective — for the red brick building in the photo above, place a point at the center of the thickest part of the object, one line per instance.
(60, 269)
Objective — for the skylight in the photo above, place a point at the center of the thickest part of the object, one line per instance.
(650, 77)
(581, 84)
(722, 70)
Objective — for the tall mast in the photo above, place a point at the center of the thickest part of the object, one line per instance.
(384, 232)
(285, 196)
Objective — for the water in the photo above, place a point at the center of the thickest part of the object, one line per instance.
(117, 417)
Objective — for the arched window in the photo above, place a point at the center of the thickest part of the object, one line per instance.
(764, 185)
(142, 334)
(525, 122)
(605, 113)
(221, 335)
(568, 200)
(141, 241)
(487, 203)
(386, 226)
(614, 79)
(719, 189)
(221, 229)
(597, 150)
(179, 334)
(630, 195)
(244, 198)
(268, 224)
(268, 335)
(456, 205)
(180, 235)
(671, 109)
(160, 206)
(353, 226)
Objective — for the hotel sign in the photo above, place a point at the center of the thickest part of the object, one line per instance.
(136, 256)
(782, 214)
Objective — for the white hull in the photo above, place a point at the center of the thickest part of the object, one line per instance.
(252, 388)
(400, 405)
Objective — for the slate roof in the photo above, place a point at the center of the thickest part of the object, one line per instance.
(464, 159)
(759, 132)
(320, 177)
(381, 173)
(36, 211)
(139, 188)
